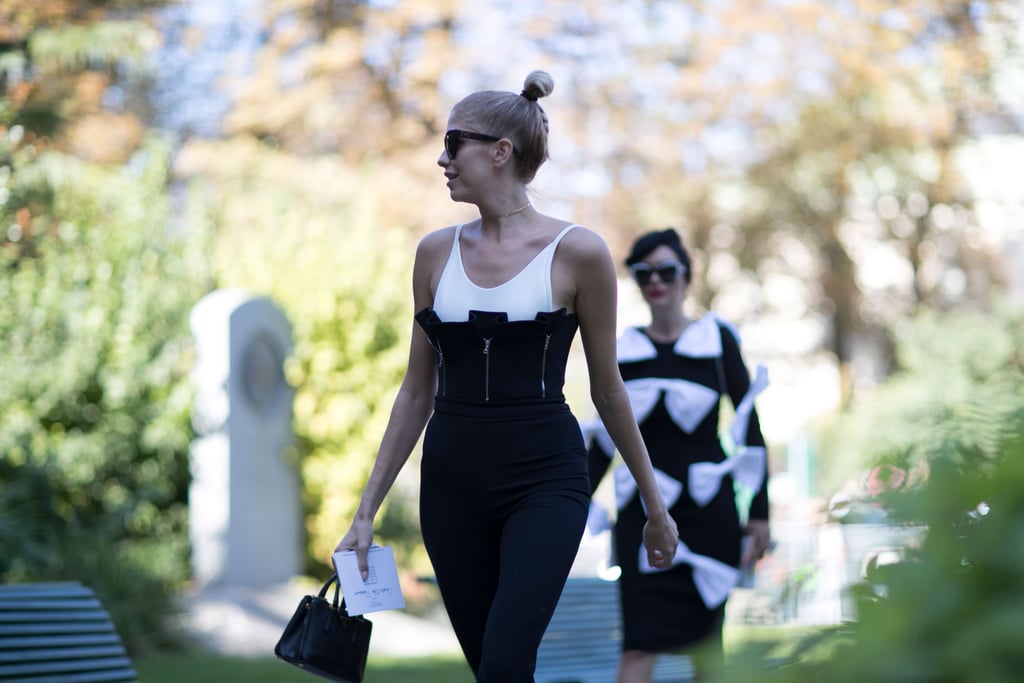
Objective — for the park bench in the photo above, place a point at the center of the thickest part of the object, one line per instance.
(58, 633)
(582, 642)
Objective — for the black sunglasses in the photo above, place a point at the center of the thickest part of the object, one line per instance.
(667, 272)
(454, 138)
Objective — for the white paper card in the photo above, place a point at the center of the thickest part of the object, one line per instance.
(380, 591)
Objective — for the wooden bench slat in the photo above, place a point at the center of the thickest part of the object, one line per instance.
(90, 664)
(584, 639)
(577, 675)
(50, 602)
(591, 657)
(65, 589)
(54, 629)
(59, 633)
(17, 643)
(673, 668)
(668, 669)
(48, 654)
(112, 676)
(577, 640)
(59, 617)
(581, 642)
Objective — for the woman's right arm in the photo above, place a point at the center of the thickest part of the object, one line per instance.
(596, 294)
(409, 413)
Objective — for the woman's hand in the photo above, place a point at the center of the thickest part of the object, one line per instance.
(661, 537)
(760, 540)
(358, 538)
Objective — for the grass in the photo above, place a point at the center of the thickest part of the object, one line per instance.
(213, 668)
(205, 667)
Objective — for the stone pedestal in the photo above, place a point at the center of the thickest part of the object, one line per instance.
(245, 512)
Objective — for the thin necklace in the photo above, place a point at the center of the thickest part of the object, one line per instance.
(522, 208)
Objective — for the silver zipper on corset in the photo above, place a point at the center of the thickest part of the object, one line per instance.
(487, 368)
(544, 366)
(440, 362)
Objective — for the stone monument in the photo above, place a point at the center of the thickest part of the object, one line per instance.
(245, 512)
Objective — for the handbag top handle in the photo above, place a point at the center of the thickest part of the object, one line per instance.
(337, 588)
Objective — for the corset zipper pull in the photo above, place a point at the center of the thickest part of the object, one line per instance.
(436, 345)
(440, 366)
(487, 368)
(544, 367)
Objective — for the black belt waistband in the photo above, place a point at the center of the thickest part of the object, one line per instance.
(500, 410)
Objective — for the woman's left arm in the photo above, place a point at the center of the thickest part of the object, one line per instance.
(593, 275)
(738, 380)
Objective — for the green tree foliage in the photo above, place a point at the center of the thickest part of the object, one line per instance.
(360, 81)
(56, 62)
(95, 402)
(95, 397)
(310, 236)
(360, 78)
(952, 397)
(953, 610)
(806, 147)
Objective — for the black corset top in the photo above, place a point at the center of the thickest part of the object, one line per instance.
(489, 358)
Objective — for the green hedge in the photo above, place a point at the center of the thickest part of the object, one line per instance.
(953, 610)
(95, 399)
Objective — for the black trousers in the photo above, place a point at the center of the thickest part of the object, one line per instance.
(503, 505)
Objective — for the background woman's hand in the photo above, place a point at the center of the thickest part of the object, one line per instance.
(358, 538)
(760, 540)
(661, 537)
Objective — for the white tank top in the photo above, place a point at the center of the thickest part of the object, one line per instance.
(522, 297)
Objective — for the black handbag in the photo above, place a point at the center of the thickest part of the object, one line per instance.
(323, 639)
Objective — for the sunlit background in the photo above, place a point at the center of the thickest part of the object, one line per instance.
(846, 173)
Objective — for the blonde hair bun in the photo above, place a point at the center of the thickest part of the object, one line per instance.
(537, 84)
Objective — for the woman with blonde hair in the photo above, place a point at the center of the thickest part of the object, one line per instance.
(504, 488)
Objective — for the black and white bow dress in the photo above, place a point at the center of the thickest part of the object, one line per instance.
(675, 390)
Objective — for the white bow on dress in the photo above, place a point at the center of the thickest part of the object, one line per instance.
(625, 487)
(747, 466)
(740, 424)
(713, 578)
(687, 403)
(705, 478)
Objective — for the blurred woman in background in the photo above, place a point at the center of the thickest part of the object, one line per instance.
(676, 370)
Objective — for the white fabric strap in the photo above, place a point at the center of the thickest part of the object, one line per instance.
(713, 578)
(704, 479)
(738, 430)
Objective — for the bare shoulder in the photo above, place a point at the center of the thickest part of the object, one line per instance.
(583, 270)
(431, 256)
(435, 243)
(585, 251)
(584, 246)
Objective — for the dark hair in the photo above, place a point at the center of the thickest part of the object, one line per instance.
(519, 117)
(650, 241)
